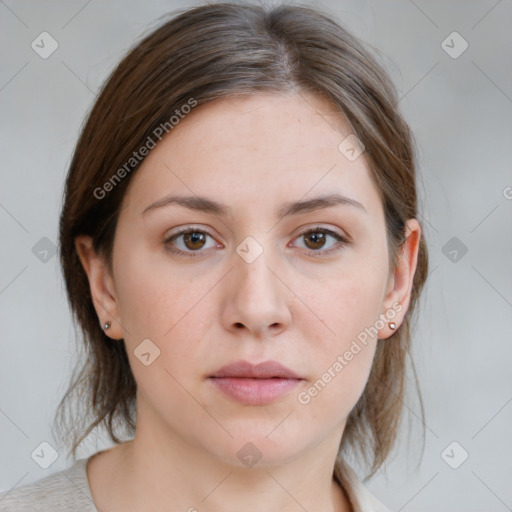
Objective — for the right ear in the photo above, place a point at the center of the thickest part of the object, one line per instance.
(101, 284)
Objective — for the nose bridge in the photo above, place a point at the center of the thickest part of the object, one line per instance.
(258, 298)
(253, 274)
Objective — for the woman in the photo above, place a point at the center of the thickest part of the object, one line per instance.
(240, 248)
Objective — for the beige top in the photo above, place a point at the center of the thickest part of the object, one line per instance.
(68, 491)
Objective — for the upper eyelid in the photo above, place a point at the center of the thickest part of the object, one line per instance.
(344, 237)
(302, 231)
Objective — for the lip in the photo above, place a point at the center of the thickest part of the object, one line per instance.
(258, 384)
(265, 370)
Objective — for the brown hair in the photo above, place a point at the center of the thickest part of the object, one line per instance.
(205, 53)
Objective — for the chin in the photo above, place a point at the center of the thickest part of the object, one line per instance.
(251, 447)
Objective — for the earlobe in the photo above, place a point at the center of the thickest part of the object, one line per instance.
(101, 285)
(401, 282)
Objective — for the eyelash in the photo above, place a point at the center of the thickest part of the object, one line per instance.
(342, 241)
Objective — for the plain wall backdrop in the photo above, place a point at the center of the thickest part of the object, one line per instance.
(458, 101)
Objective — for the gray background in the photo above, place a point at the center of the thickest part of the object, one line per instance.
(460, 110)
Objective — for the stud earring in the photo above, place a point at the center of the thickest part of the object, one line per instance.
(392, 325)
(107, 325)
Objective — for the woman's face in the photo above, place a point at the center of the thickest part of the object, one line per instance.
(250, 283)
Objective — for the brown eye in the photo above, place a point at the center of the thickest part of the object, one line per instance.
(315, 241)
(194, 240)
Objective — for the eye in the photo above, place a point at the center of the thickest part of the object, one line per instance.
(316, 239)
(193, 240)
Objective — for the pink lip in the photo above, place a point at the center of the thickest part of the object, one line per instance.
(255, 384)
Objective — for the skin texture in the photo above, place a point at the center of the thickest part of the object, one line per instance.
(290, 305)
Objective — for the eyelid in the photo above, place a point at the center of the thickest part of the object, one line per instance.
(328, 229)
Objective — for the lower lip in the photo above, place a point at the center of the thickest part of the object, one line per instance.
(254, 391)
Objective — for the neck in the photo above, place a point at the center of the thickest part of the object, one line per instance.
(152, 472)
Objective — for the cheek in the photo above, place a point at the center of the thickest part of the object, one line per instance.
(332, 396)
(342, 308)
(158, 303)
(343, 344)
(152, 295)
(341, 361)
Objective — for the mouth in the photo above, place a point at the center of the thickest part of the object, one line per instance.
(255, 384)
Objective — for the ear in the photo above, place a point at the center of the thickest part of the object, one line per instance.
(101, 285)
(400, 282)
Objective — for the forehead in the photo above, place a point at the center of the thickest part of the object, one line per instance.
(245, 149)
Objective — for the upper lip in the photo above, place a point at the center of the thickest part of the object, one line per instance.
(265, 370)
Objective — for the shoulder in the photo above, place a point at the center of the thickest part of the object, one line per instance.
(362, 500)
(65, 491)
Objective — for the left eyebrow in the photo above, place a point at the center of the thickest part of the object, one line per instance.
(318, 203)
(203, 204)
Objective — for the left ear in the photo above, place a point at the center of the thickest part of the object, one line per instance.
(401, 280)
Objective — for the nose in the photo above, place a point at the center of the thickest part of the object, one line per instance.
(257, 299)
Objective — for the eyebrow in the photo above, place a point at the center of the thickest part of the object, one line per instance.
(203, 204)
